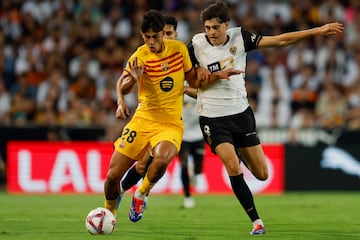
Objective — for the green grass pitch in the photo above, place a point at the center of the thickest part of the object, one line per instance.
(297, 215)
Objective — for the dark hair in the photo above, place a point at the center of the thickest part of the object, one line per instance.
(154, 20)
(170, 20)
(219, 10)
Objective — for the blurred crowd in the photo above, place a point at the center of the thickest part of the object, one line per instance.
(62, 58)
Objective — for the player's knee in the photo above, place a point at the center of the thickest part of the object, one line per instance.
(233, 170)
(112, 177)
(140, 169)
(110, 180)
(160, 165)
(262, 174)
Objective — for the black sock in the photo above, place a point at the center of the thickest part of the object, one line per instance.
(185, 181)
(198, 165)
(244, 196)
(148, 164)
(130, 179)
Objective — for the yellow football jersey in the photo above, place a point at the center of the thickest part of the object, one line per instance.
(161, 88)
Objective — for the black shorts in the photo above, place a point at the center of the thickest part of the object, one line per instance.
(195, 149)
(238, 129)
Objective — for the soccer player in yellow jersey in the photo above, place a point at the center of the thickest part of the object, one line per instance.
(158, 68)
(192, 144)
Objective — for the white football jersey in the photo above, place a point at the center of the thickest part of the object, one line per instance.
(192, 131)
(223, 97)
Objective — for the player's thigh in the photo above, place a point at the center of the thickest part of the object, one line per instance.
(255, 160)
(164, 152)
(228, 156)
(166, 142)
(119, 164)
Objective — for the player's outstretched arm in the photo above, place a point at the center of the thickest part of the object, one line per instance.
(286, 39)
(206, 78)
(203, 77)
(192, 92)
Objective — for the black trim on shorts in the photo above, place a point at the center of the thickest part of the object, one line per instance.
(238, 129)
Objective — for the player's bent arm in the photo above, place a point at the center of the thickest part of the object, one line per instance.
(191, 78)
(285, 39)
(192, 92)
(195, 80)
(221, 75)
(125, 84)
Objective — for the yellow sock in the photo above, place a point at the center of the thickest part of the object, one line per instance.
(111, 205)
(146, 186)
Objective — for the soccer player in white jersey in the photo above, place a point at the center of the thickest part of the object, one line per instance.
(193, 142)
(226, 119)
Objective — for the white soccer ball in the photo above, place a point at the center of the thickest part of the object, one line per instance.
(100, 221)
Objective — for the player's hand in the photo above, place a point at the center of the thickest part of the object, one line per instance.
(122, 111)
(136, 70)
(203, 74)
(225, 74)
(331, 28)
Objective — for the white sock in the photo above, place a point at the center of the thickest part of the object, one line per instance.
(137, 194)
(258, 222)
(121, 190)
(201, 183)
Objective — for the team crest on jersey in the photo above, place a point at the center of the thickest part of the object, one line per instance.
(164, 66)
(233, 50)
(167, 84)
(121, 144)
(208, 134)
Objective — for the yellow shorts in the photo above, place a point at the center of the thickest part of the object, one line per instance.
(140, 134)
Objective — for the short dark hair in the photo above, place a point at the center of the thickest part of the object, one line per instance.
(154, 20)
(170, 20)
(219, 10)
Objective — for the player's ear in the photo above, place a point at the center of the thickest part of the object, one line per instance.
(162, 33)
(142, 35)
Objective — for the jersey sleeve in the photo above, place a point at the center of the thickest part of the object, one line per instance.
(187, 60)
(251, 40)
(191, 51)
(127, 66)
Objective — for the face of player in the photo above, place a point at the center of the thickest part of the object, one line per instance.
(153, 40)
(216, 31)
(169, 32)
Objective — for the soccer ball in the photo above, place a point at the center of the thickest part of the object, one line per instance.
(100, 221)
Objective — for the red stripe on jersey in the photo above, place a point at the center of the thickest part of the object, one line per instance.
(163, 59)
(158, 68)
(166, 73)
